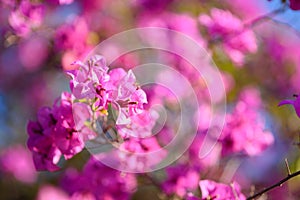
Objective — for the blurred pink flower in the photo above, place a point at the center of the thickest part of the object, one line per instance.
(180, 180)
(71, 38)
(245, 129)
(211, 159)
(17, 161)
(237, 41)
(138, 153)
(98, 181)
(26, 17)
(183, 23)
(220, 191)
(49, 192)
(33, 52)
(72, 35)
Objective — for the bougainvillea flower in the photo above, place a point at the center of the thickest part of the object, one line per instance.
(220, 191)
(293, 102)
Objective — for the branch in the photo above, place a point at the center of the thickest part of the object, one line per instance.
(271, 14)
(251, 24)
(278, 184)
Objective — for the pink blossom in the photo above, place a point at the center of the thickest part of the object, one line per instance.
(140, 126)
(183, 23)
(244, 131)
(220, 191)
(225, 26)
(72, 35)
(92, 80)
(17, 161)
(128, 97)
(213, 157)
(98, 181)
(89, 79)
(294, 102)
(137, 153)
(180, 180)
(54, 134)
(26, 17)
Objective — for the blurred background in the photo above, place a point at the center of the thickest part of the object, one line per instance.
(40, 39)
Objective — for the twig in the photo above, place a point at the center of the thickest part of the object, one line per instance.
(287, 166)
(278, 184)
(250, 24)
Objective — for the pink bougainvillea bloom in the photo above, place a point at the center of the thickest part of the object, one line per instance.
(136, 153)
(293, 102)
(72, 35)
(98, 181)
(230, 30)
(26, 17)
(140, 126)
(180, 180)
(183, 23)
(245, 129)
(54, 134)
(220, 191)
(295, 4)
(89, 79)
(92, 80)
(17, 161)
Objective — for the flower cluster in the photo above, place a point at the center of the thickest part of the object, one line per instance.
(26, 17)
(63, 129)
(98, 181)
(244, 131)
(54, 135)
(223, 25)
(220, 191)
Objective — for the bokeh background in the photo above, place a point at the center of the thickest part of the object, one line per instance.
(40, 39)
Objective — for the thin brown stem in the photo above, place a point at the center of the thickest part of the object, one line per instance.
(278, 184)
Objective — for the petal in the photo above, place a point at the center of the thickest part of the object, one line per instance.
(285, 102)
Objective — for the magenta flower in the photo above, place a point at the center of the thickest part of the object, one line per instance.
(295, 4)
(26, 17)
(181, 179)
(220, 191)
(17, 161)
(245, 130)
(127, 96)
(225, 26)
(88, 80)
(98, 181)
(136, 153)
(72, 36)
(294, 102)
(54, 134)
(141, 125)
(92, 81)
